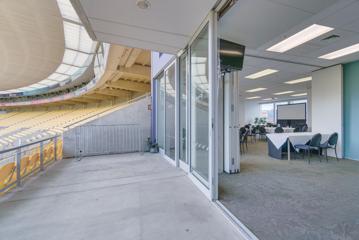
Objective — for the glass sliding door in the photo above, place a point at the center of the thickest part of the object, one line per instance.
(200, 106)
(183, 71)
(161, 94)
(170, 79)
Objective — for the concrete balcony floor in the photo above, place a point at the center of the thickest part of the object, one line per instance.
(127, 196)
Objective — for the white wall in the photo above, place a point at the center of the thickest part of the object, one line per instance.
(309, 108)
(327, 102)
(157, 62)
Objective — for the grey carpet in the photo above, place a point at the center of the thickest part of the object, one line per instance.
(278, 200)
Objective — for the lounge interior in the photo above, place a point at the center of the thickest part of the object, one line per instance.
(287, 94)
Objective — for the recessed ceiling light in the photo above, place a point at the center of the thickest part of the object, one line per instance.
(299, 94)
(341, 52)
(282, 93)
(261, 73)
(143, 4)
(269, 99)
(256, 90)
(300, 80)
(255, 97)
(299, 38)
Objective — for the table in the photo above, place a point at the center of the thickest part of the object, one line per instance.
(277, 140)
(272, 129)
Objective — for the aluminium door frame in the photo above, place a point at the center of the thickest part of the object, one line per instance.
(211, 188)
(182, 164)
(170, 160)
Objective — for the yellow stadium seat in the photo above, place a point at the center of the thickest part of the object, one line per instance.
(45, 154)
(59, 149)
(34, 162)
(6, 174)
(24, 165)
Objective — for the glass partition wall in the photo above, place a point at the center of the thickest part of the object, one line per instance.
(166, 93)
(200, 106)
(183, 71)
(161, 93)
(170, 112)
(190, 106)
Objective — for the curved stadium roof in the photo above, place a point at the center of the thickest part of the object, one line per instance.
(79, 53)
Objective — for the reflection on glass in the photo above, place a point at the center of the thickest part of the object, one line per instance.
(170, 112)
(161, 91)
(199, 106)
(182, 106)
(267, 112)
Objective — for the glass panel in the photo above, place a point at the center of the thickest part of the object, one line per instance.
(182, 107)
(199, 106)
(161, 91)
(267, 111)
(170, 112)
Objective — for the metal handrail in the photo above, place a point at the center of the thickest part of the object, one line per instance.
(28, 144)
(17, 170)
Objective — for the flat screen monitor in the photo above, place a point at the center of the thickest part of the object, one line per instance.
(231, 56)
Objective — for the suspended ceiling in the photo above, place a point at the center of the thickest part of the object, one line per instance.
(166, 26)
(259, 24)
(31, 41)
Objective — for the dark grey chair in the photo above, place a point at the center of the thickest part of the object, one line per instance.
(297, 129)
(314, 144)
(251, 132)
(262, 132)
(330, 144)
(305, 128)
(278, 130)
(243, 138)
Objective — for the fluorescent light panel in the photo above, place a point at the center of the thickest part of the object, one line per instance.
(300, 80)
(255, 97)
(299, 94)
(260, 74)
(299, 38)
(256, 90)
(341, 52)
(282, 93)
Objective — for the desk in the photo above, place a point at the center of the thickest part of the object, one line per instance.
(272, 129)
(276, 141)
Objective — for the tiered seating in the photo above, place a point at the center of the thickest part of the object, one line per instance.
(36, 124)
(19, 127)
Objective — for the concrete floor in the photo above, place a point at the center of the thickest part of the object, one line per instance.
(129, 196)
(282, 201)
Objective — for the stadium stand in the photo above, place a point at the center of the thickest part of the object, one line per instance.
(36, 110)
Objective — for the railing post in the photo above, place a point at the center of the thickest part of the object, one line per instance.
(55, 148)
(42, 156)
(139, 140)
(18, 167)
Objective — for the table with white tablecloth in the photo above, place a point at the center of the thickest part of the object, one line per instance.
(285, 129)
(278, 142)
